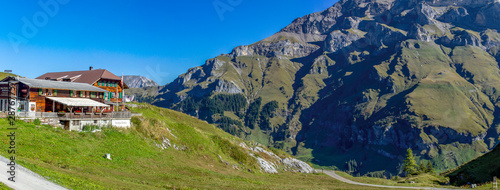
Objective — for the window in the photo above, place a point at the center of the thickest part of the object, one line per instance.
(107, 84)
(49, 92)
(81, 93)
(92, 94)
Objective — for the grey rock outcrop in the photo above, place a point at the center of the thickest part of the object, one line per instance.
(138, 81)
(297, 165)
(338, 40)
(266, 166)
(269, 49)
(227, 87)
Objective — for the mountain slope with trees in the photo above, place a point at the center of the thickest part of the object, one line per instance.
(363, 80)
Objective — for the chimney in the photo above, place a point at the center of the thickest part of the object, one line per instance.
(91, 68)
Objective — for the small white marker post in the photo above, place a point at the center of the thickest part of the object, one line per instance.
(107, 156)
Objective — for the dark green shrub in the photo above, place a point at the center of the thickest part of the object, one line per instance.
(37, 121)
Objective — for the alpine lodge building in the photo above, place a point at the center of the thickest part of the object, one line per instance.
(71, 100)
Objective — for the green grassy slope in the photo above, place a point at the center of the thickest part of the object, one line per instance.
(3, 75)
(75, 159)
(480, 170)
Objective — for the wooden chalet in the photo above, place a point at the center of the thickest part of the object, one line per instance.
(52, 96)
(101, 78)
(62, 102)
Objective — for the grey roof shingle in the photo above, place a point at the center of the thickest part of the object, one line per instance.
(37, 83)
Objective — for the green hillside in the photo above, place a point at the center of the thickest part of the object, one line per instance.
(480, 170)
(200, 156)
(3, 75)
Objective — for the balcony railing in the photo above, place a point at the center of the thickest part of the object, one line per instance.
(88, 115)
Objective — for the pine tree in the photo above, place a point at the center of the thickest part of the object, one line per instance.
(422, 168)
(410, 165)
(430, 167)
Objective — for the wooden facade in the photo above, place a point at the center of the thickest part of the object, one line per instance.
(38, 93)
(43, 104)
(114, 88)
(100, 78)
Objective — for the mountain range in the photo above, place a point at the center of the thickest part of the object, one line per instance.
(357, 84)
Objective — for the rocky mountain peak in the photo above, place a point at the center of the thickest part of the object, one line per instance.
(134, 81)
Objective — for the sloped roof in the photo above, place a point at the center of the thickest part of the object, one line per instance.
(49, 84)
(87, 76)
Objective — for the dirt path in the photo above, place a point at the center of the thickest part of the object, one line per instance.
(25, 179)
(340, 178)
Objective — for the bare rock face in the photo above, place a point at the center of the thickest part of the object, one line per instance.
(266, 166)
(227, 87)
(138, 81)
(297, 165)
(420, 33)
(280, 48)
(455, 15)
(338, 40)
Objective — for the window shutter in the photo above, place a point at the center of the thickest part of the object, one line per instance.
(81, 93)
(40, 91)
(55, 92)
(71, 93)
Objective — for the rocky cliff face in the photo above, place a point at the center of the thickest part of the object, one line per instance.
(366, 79)
(138, 81)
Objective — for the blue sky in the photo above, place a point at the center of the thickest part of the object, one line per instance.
(156, 39)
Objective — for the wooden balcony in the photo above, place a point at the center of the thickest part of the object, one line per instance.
(89, 115)
(73, 116)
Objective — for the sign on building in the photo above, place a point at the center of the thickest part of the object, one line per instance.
(32, 107)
